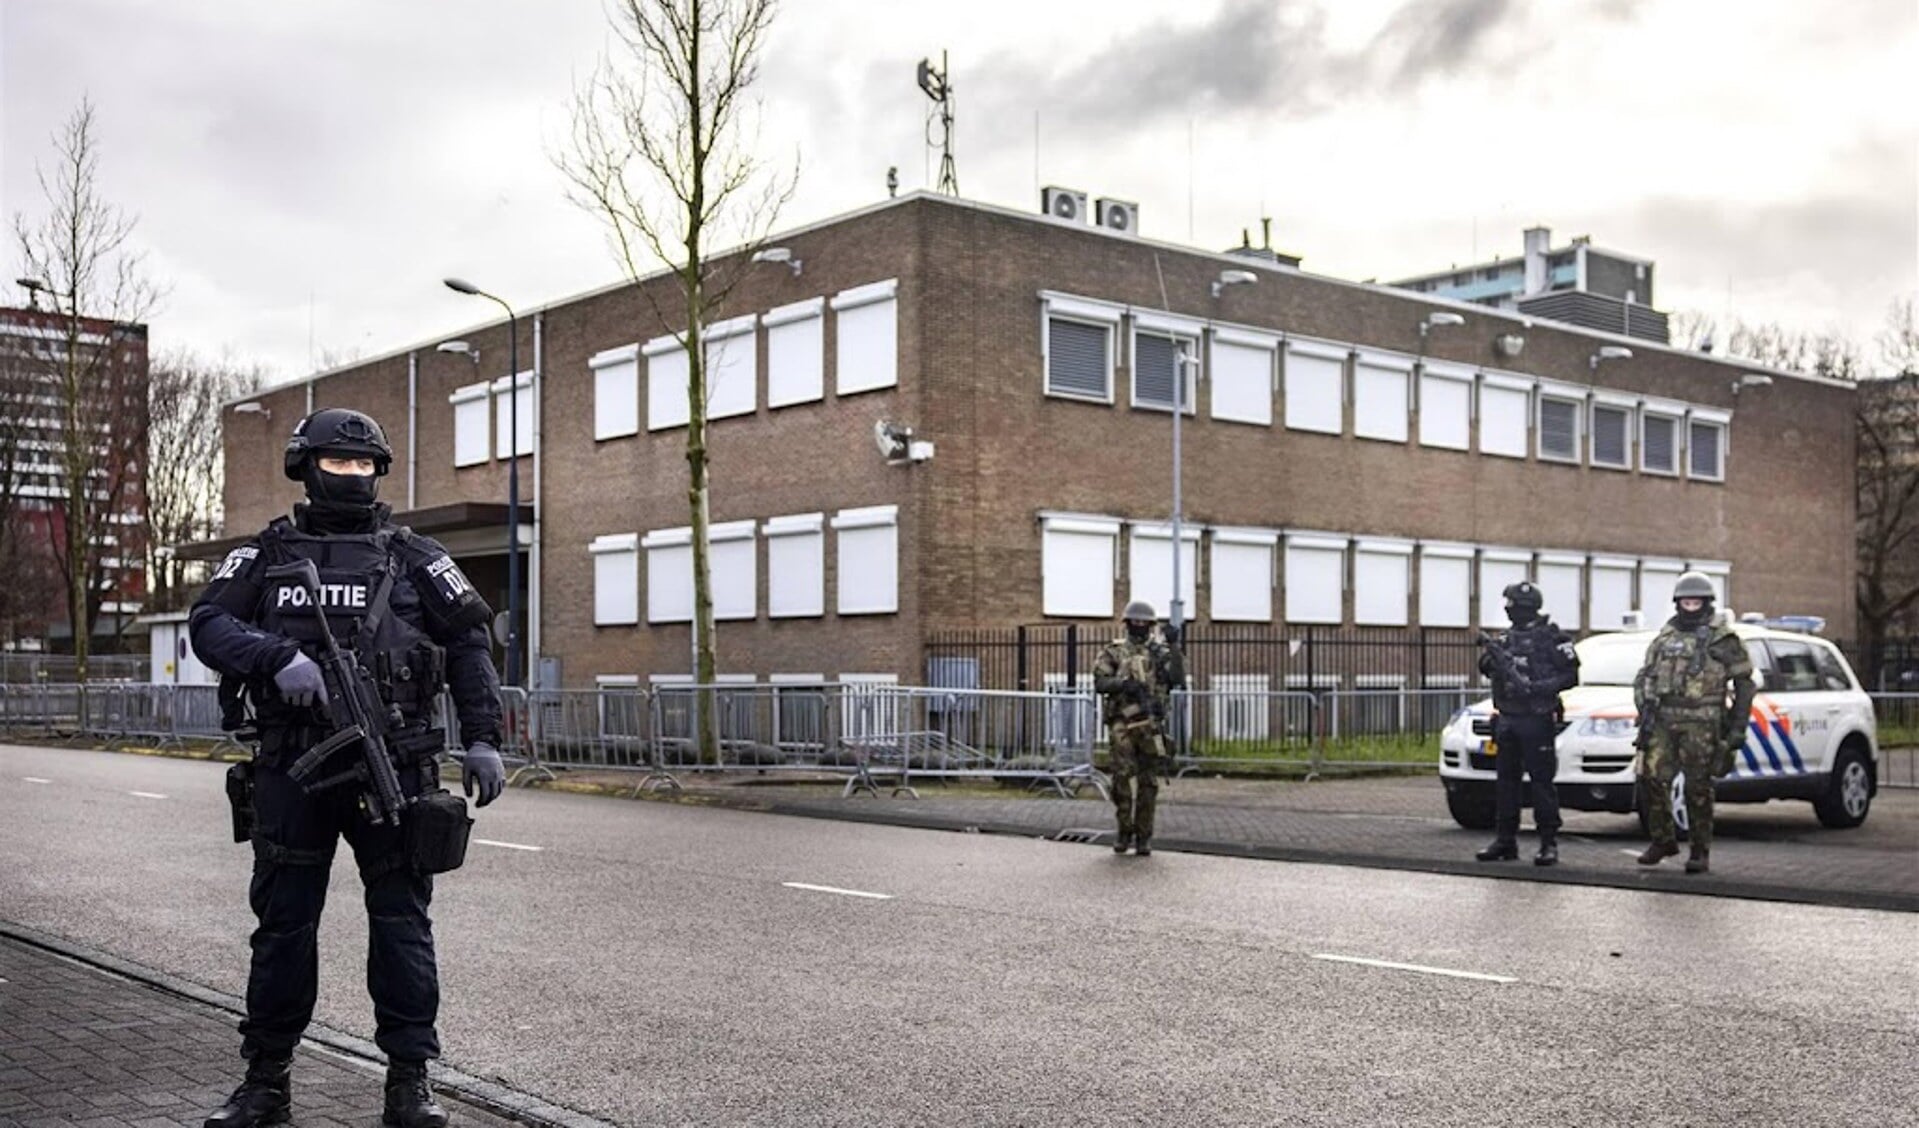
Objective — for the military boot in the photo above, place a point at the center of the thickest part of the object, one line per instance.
(1548, 854)
(265, 1097)
(1123, 843)
(1697, 863)
(1143, 847)
(409, 1099)
(1501, 850)
(1657, 852)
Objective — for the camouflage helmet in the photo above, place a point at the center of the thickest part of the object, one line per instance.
(1524, 596)
(1139, 611)
(338, 432)
(1694, 585)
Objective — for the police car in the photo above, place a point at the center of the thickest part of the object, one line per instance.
(1811, 736)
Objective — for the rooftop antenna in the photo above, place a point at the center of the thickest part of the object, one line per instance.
(936, 86)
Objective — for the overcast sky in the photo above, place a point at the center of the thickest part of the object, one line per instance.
(305, 173)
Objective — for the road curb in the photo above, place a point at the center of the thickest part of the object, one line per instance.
(490, 1096)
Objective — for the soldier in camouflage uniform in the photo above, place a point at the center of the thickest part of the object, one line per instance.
(1685, 722)
(1136, 675)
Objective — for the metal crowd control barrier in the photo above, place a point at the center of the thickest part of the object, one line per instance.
(1370, 728)
(1898, 722)
(1249, 730)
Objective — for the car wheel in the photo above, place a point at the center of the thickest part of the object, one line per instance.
(1848, 796)
(1676, 799)
(1471, 804)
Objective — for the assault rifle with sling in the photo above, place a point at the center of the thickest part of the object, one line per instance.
(1505, 664)
(358, 717)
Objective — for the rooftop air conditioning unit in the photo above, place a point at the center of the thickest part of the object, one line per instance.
(1119, 215)
(1064, 203)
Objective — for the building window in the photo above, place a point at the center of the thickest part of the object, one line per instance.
(1241, 583)
(1315, 387)
(470, 418)
(669, 575)
(1705, 450)
(1079, 359)
(1504, 410)
(1158, 359)
(1499, 567)
(734, 562)
(1076, 565)
(1445, 585)
(616, 579)
(732, 367)
(616, 392)
(795, 566)
(867, 327)
(1611, 426)
(1611, 599)
(1561, 585)
(1149, 571)
(1382, 579)
(512, 415)
(1380, 405)
(1658, 435)
(1559, 428)
(1446, 407)
(1241, 375)
(1657, 578)
(666, 375)
(867, 550)
(796, 353)
(1315, 578)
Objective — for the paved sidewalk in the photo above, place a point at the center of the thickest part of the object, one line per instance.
(86, 1047)
(1773, 851)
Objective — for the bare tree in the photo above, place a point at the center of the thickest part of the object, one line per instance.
(1888, 491)
(659, 152)
(184, 473)
(78, 251)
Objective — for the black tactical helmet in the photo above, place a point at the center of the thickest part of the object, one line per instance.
(1524, 596)
(341, 433)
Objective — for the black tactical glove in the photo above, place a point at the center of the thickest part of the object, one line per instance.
(482, 766)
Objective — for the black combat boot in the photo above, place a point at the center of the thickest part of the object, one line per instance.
(1697, 863)
(1143, 847)
(409, 1099)
(1657, 852)
(1548, 852)
(1122, 843)
(265, 1097)
(1500, 851)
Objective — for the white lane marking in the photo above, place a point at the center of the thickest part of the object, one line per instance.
(1480, 975)
(508, 845)
(1630, 853)
(146, 795)
(841, 892)
(35, 779)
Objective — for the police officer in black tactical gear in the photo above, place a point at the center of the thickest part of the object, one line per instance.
(1530, 666)
(414, 624)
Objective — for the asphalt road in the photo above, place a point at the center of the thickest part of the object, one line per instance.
(651, 964)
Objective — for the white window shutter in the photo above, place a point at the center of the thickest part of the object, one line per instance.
(1612, 592)
(1241, 580)
(1380, 407)
(867, 550)
(669, 575)
(1446, 407)
(666, 374)
(795, 353)
(1445, 586)
(1498, 568)
(795, 566)
(616, 393)
(1150, 567)
(1315, 388)
(471, 437)
(868, 334)
(1076, 566)
(1315, 578)
(1505, 411)
(616, 579)
(1382, 581)
(1562, 580)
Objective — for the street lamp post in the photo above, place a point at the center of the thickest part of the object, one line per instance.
(512, 476)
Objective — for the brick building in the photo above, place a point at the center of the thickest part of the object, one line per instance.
(108, 363)
(1347, 462)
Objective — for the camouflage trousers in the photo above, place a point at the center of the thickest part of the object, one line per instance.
(1690, 747)
(1136, 753)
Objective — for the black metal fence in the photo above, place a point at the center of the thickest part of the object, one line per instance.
(1218, 657)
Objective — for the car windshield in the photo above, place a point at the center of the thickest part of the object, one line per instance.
(1611, 659)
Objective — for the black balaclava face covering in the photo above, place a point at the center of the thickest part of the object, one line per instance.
(1691, 619)
(1519, 614)
(339, 503)
(1138, 631)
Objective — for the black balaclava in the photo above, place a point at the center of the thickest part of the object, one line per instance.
(339, 503)
(1691, 620)
(1138, 631)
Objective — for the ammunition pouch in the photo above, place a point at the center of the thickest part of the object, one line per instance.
(240, 798)
(411, 678)
(437, 827)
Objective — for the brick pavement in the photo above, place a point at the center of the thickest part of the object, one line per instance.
(88, 1048)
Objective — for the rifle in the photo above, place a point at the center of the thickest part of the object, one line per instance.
(357, 716)
(1504, 664)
